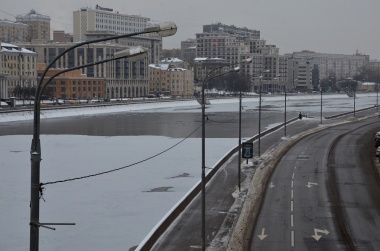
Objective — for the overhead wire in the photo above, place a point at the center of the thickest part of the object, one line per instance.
(120, 168)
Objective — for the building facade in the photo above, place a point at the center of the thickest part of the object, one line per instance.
(39, 25)
(166, 79)
(105, 19)
(189, 49)
(124, 78)
(337, 66)
(13, 31)
(73, 85)
(17, 69)
(235, 44)
(59, 36)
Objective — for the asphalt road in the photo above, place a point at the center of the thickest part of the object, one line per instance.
(324, 194)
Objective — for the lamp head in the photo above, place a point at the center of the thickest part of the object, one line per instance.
(135, 53)
(247, 60)
(165, 29)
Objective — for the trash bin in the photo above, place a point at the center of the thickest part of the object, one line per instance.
(13, 102)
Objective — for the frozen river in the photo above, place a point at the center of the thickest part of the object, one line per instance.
(156, 146)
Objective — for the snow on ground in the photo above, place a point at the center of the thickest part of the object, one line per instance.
(115, 211)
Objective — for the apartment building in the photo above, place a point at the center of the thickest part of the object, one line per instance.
(105, 19)
(11, 31)
(17, 68)
(337, 65)
(166, 79)
(236, 44)
(39, 25)
(303, 74)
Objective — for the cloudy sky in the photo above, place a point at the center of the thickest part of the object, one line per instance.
(328, 26)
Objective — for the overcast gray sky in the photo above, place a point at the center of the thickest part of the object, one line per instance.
(326, 26)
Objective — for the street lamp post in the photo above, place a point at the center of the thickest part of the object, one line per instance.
(203, 175)
(248, 61)
(259, 142)
(377, 98)
(321, 102)
(285, 110)
(164, 29)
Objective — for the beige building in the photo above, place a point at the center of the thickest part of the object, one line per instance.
(39, 25)
(168, 80)
(17, 69)
(13, 31)
(105, 19)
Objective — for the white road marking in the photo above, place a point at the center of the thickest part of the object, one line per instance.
(262, 236)
(316, 231)
(310, 184)
(291, 206)
(292, 238)
(291, 220)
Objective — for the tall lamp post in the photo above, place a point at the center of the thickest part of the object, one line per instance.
(259, 142)
(321, 102)
(203, 177)
(163, 29)
(247, 61)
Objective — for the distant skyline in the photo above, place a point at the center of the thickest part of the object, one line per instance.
(323, 26)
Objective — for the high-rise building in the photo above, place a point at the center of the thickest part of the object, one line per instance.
(39, 25)
(235, 44)
(106, 19)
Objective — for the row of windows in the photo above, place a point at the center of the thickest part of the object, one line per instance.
(74, 89)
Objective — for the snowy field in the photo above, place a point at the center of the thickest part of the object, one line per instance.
(115, 211)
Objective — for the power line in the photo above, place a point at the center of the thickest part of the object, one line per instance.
(116, 169)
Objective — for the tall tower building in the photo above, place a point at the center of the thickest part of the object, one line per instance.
(105, 19)
(39, 25)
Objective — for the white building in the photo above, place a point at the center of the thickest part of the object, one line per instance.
(105, 19)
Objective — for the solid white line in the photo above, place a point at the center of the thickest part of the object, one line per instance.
(292, 237)
(291, 220)
(291, 206)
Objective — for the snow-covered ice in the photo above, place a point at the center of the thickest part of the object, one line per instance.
(114, 211)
